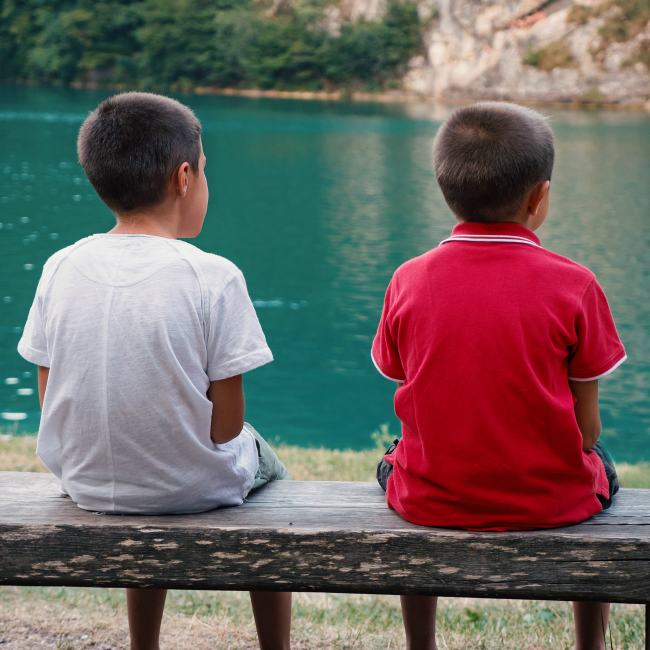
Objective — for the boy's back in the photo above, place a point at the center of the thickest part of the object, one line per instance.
(486, 330)
(133, 329)
(141, 342)
(497, 347)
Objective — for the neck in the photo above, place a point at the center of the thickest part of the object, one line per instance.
(532, 222)
(162, 221)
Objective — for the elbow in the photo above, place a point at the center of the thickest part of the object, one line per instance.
(222, 435)
(590, 438)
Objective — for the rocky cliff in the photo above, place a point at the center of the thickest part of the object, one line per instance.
(536, 50)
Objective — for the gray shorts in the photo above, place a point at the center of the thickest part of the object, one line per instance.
(271, 467)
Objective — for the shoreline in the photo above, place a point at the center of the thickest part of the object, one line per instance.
(391, 97)
(398, 97)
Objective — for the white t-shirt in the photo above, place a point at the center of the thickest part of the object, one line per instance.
(133, 329)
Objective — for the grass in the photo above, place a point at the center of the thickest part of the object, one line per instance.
(628, 22)
(555, 55)
(72, 619)
(18, 454)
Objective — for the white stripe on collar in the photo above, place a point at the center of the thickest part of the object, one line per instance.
(503, 239)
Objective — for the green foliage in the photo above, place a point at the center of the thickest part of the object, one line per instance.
(62, 40)
(285, 54)
(180, 44)
(382, 438)
(531, 57)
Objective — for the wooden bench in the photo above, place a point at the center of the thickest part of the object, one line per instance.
(318, 537)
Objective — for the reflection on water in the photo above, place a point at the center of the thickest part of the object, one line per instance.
(318, 204)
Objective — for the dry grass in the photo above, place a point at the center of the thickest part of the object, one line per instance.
(329, 464)
(72, 619)
(68, 619)
(18, 453)
(634, 476)
(555, 55)
(580, 14)
(625, 24)
(642, 55)
(626, 21)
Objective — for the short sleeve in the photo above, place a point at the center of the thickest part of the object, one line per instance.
(33, 344)
(598, 351)
(236, 343)
(385, 353)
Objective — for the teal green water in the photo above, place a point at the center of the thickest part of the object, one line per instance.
(318, 203)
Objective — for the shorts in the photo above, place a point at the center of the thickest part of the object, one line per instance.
(610, 471)
(271, 467)
(385, 469)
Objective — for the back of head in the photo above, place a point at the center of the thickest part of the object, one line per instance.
(130, 145)
(488, 156)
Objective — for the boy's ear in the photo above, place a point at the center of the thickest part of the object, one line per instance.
(537, 196)
(180, 178)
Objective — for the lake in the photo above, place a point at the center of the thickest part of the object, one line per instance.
(318, 203)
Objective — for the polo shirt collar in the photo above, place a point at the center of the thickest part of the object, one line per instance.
(504, 233)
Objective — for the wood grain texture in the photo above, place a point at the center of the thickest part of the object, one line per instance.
(318, 536)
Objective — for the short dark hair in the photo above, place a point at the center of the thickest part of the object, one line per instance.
(130, 145)
(488, 156)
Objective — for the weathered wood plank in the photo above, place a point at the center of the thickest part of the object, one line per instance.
(318, 536)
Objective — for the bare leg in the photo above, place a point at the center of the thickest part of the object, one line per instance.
(591, 623)
(419, 615)
(145, 608)
(272, 612)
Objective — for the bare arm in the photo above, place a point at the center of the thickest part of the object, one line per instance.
(586, 410)
(43, 374)
(228, 406)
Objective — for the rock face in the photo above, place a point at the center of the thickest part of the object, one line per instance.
(534, 50)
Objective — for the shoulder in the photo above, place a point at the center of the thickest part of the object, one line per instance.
(414, 267)
(569, 276)
(217, 271)
(565, 264)
(209, 262)
(53, 264)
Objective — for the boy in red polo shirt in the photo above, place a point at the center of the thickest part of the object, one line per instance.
(497, 346)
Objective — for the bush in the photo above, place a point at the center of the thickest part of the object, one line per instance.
(555, 55)
(593, 96)
(531, 57)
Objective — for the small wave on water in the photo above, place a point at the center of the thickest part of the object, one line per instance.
(23, 116)
(13, 416)
(278, 303)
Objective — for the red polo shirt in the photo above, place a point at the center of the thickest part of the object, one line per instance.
(485, 332)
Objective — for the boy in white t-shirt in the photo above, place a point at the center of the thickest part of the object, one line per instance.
(141, 341)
